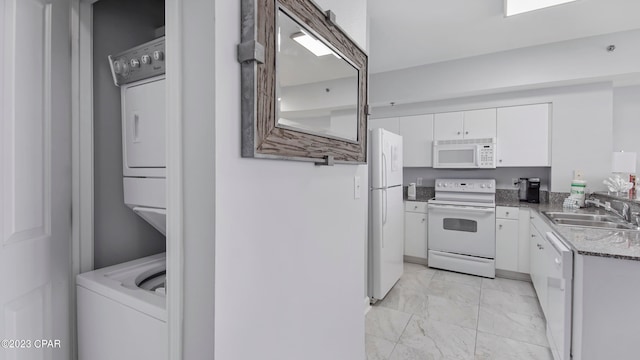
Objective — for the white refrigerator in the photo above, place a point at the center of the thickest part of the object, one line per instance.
(386, 213)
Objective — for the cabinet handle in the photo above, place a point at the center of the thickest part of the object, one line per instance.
(415, 207)
(423, 219)
(540, 246)
(466, 133)
(458, 132)
(533, 236)
(507, 213)
(500, 226)
(500, 160)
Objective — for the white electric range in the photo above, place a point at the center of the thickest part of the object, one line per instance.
(462, 229)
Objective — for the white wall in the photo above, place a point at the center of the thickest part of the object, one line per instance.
(581, 126)
(503, 176)
(119, 234)
(290, 238)
(626, 120)
(563, 63)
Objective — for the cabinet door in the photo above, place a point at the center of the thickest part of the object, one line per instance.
(448, 126)
(507, 244)
(523, 240)
(523, 135)
(390, 124)
(480, 124)
(415, 235)
(537, 266)
(417, 140)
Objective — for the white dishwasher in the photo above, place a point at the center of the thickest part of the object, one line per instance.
(559, 264)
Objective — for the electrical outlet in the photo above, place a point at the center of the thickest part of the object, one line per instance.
(515, 182)
(356, 187)
(419, 182)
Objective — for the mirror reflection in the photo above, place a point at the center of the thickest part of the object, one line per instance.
(317, 89)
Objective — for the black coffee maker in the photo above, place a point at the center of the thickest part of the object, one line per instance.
(530, 190)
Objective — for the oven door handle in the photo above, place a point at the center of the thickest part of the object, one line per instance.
(462, 208)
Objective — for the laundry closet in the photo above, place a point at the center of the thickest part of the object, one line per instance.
(122, 304)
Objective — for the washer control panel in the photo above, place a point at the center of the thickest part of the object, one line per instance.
(141, 62)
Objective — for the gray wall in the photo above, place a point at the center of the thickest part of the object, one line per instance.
(504, 176)
(119, 234)
(626, 120)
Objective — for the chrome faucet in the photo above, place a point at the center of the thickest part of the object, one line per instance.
(624, 213)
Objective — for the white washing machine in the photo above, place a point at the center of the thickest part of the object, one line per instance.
(122, 308)
(122, 311)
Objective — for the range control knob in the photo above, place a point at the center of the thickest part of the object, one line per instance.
(158, 55)
(445, 184)
(490, 186)
(146, 59)
(483, 186)
(135, 63)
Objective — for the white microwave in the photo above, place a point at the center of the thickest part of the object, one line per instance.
(465, 154)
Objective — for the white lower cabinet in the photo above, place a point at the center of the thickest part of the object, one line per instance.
(538, 260)
(415, 231)
(507, 244)
(511, 243)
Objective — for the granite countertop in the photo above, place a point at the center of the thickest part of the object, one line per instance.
(611, 243)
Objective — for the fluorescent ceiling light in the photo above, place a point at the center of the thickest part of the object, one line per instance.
(317, 47)
(514, 7)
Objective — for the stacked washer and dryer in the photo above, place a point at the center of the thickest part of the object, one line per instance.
(122, 308)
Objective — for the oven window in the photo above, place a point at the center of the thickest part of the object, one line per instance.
(456, 156)
(460, 225)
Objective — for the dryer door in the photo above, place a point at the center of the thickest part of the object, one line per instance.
(144, 121)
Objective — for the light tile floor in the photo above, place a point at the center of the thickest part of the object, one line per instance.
(435, 314)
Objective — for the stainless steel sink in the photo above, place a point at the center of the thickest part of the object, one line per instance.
(595, 224)
(590, 217)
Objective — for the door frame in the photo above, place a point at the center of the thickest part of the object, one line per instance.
(82, 160)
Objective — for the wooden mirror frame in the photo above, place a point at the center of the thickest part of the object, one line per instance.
(261, 138)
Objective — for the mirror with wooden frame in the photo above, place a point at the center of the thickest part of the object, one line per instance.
(304, 85)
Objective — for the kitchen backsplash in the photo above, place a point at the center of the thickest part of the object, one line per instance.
(503, 197)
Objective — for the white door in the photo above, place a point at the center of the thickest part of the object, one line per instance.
(448, 126)
(35, 178)
(144, 120)
(507, 244)
(480, 124)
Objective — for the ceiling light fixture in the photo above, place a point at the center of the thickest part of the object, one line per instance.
(317, 47)
(515, 7)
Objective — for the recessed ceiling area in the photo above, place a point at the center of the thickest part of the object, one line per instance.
(407, 33)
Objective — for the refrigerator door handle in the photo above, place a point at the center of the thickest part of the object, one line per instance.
(384, 170)
(385, 202)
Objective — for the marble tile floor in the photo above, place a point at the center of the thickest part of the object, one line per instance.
(435, 314)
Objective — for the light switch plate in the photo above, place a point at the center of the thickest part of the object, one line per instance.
(419, 182)
(356, 187)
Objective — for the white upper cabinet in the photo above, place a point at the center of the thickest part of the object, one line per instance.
(473, 124)
(447, 126)
(480, 124)
(417, 140)
(523, 135)
(390, 124)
